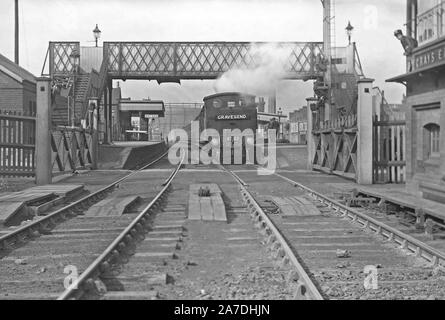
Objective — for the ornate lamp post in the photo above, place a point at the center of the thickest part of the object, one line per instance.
(97, 34)
(75, 61)
(349, 29)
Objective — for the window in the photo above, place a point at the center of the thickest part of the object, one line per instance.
(435, 149)
(432, 140)
(217, 103)
(430, 20)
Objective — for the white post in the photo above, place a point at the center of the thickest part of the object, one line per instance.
(43, 132)
(365, 125)
(94, 103)
(309, 137)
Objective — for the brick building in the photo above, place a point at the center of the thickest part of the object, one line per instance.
(298, 126)
(17, 87)
(425, 98)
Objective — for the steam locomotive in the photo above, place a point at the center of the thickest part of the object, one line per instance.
(230, 110)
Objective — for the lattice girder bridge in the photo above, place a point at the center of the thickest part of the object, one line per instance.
(185, 60)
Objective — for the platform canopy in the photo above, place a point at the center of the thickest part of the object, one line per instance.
(266, 117)
(153, 107)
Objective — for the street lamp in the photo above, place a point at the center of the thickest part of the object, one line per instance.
(75, 61)
(349, 29)
(97, 34)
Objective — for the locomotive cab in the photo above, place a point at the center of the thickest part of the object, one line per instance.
(231, 110)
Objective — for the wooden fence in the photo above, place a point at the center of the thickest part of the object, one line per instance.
(389, 155)
(17, 144)
(71, 147)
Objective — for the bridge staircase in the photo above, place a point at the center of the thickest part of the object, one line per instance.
(87, 85)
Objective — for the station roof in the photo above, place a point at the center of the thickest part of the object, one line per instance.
(15, 71)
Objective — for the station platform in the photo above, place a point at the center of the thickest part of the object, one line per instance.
(129, 154)
(331, 186)
(17, 206)
(397, 194)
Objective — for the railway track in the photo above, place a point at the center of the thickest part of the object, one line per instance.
(306, 289)
(341, 253)
(121, 249)
(53, 253)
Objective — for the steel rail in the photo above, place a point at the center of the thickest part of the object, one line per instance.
(119, 245)
(306, 287)
(41, 225)
(407, 242)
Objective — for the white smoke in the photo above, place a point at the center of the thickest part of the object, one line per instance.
(262, 76)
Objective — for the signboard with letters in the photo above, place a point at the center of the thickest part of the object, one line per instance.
(427, 58)
(232, 117)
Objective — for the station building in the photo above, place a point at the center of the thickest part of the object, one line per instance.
(17, 88)
(425, 98)
(135, 119)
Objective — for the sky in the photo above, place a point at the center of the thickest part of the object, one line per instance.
(374, 22)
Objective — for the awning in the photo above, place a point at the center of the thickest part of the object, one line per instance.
(412, 75)
(146, 107)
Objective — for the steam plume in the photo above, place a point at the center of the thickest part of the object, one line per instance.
(268, 67)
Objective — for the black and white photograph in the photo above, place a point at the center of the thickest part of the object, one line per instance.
(222, 155)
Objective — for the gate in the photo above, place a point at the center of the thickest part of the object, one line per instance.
(336, 146)
(71, 149)
(389, 157)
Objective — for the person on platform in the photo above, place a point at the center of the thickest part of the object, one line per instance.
(408, 43)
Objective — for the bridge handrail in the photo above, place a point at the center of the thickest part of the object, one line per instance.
(201, 60)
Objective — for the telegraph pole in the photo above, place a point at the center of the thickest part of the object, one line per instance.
(328, 53)
(16, 60)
